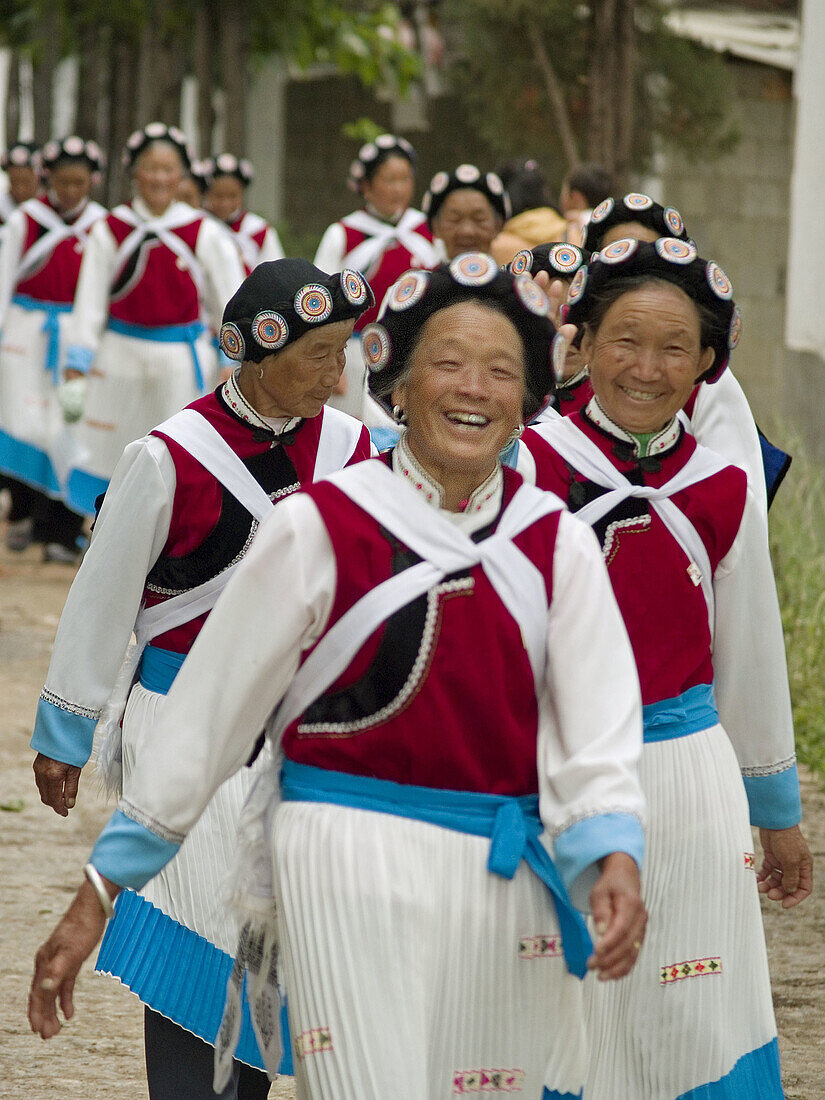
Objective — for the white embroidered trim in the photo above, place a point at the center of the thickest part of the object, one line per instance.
(232, 395)
(620, 524)
(243, 550)
(72, 708)
(770, 769)
(405, 463)
(573, 380)
(660, 442)
(341, 729)
(132, 812)
(284, 492)
(586, 814)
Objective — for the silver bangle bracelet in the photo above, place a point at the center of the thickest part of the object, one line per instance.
(93, 875)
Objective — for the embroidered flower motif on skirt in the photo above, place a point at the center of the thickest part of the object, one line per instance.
(750, 861)
(317, 1040)
(540, 947)
(487, 1080)
(692, 968)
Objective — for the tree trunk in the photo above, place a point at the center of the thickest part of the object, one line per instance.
(148, 73)
(13, 100)
(625, 91)
(602, 73)
(122, 80)
(44, 66)
(204, 74)
(234, 53)
(92, 122)
(555, 93)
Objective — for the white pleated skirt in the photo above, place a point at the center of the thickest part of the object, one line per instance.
(412, 973)
(696, 1009)
(134, 385)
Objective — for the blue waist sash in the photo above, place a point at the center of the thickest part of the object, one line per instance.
(159, 667)
(51, 326)
(512, 824)
(690, 712)
(166, 334)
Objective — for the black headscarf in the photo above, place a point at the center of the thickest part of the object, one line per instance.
(665, 221)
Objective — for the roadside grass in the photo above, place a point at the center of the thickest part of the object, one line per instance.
(797, 536)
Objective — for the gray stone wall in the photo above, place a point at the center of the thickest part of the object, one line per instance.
(736, 208)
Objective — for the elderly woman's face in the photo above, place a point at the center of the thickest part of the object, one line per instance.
(466, 222)
(646, 356)
(465, 390)
(299, 380)
(158, 172)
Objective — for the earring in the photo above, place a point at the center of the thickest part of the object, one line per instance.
(514, 435)
(260, 372)
(399, 415)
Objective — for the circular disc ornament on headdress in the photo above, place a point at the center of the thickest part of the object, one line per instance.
(577, 286)
(602, 210)
(558, 356)
(735, 333)
(618, 251)
(375, 343)
(156, 131)
(522, 262)
(467, 173)
(439, 182)
(673, 220)
(637, 201)
(231, 341)
(74, 148)
(313, 303)
(270, 329)
(531, 295)
(474, 269)
(386, 141)
(678, 252)
(368, 152)
(565, 258)
(718, 282)
(354, 286)
(408, 290)
(494, 183)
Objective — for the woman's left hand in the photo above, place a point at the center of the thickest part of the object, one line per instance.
(619, 916)
(58, 962)
(787, 872)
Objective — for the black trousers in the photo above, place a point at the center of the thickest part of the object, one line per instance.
(53, 521)
(179, 1066)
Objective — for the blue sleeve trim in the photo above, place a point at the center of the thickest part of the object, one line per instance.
(384, 438)
(78, 358)
(128, 853)
(62, 735)
(774, 800)
(578, 849)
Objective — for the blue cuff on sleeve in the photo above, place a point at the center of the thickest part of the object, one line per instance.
(62, 735)
(578, 848)
(774, 800)
(384, 438)
(128, 853)
(78, 358)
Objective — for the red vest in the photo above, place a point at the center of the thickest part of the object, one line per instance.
(664, 611)
(391, 266)
(466, 718)
(155, 289)
(55, 280)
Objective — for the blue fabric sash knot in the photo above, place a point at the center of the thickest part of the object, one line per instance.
(159, 667)
(51, 326)
(512, 824)
(166, 334)
(690, 712)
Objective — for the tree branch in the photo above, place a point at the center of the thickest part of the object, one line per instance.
(555, 94)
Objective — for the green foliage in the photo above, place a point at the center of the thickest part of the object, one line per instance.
(797, 530)
(682, 90)
(362, 130)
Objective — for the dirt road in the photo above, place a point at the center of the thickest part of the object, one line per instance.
(99, 1054)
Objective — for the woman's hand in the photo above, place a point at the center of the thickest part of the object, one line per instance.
(59, 960)
(619, 916)
(787, 872)
(57, 783)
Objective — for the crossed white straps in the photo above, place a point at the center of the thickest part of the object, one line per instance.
(57, 231)
(382, 235)
(174, 218)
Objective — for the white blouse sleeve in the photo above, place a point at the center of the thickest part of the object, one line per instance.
(722, 420)
(103, 602)
(221, 262)
(332, 249)
(11, 250)
(751, 676)
(590, 732)
(271, 249)
(275, 606)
